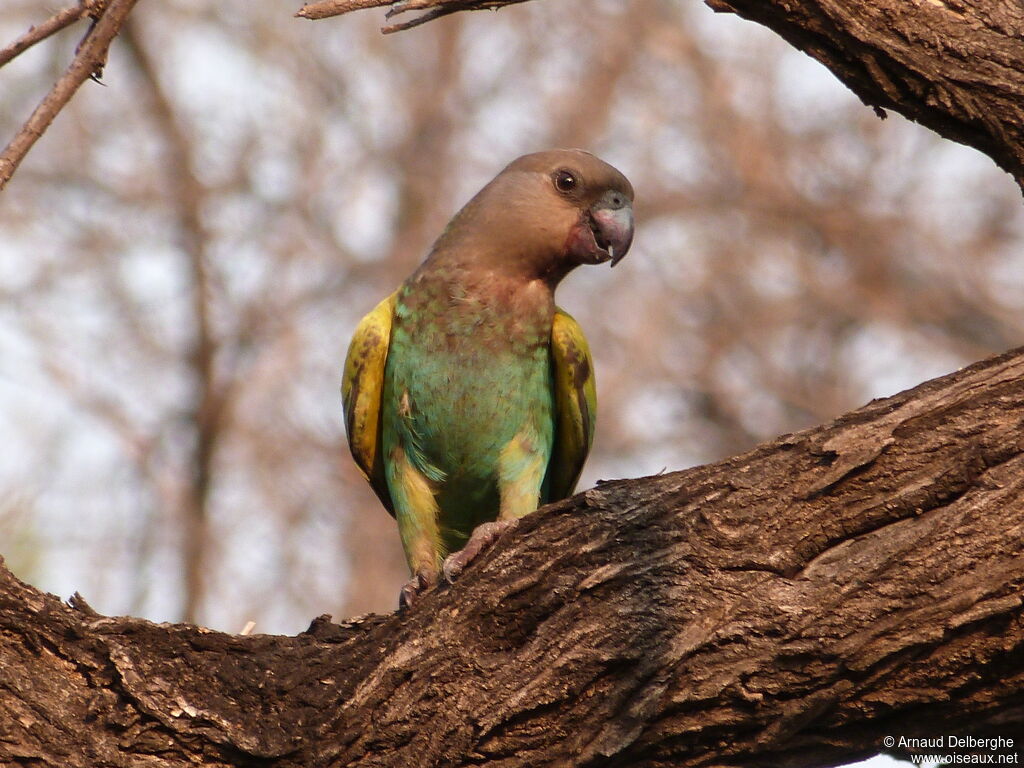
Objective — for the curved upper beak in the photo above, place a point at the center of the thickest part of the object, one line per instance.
(612, 218)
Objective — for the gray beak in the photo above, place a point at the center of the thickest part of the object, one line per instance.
(612, 218)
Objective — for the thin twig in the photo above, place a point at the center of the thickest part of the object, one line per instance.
(51, 26)
(326, 8)
(88, 62)
(433, 9)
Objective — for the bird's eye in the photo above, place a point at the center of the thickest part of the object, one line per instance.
(565, 181)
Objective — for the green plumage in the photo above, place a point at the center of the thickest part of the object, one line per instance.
(466, 377)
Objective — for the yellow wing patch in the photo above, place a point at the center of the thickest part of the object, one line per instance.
(362, 390)
(575, 405)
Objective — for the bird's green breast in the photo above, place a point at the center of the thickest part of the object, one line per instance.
(468, 370)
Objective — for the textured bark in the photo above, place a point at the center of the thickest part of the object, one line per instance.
(790, 606)
(956, 66)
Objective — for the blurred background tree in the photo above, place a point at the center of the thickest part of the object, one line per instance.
(186, 252)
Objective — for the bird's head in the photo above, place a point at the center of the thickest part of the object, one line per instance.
(548, 212)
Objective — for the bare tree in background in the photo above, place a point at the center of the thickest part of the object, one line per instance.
(187, 251)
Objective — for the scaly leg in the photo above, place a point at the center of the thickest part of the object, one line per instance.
(417, 513)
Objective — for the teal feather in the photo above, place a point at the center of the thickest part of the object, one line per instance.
(464, 377)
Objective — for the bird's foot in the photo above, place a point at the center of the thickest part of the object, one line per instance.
(411, 590)
(483, 537)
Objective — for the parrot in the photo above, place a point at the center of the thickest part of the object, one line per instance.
(469, 396)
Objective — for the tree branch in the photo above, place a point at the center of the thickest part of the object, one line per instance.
(51, 26)
(956, 67)
(789, 606)
(88, 62)
(209, 409)
(433, 9)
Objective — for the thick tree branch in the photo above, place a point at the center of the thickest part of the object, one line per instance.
(956, 67)
(88, 62)
(787, 607)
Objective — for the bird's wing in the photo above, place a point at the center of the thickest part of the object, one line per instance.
(362, 390)
(575, 405)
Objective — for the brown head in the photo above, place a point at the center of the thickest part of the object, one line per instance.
(543, 215)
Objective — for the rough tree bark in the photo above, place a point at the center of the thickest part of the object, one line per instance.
(787, 607)
(790, 606)
(956, 66)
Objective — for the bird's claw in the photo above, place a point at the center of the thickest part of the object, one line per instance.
(412, 589)
(483, 537)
